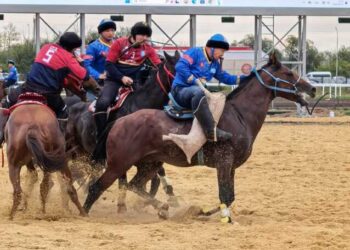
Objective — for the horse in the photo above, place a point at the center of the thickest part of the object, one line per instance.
(32, 132)
(138, 137)
(80, 133)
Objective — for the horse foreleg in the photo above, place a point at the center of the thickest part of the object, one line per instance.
(72, 192)
(14, 173)
(45, 186)
(123, 181)
(96, 189)
(168, 188)
(225, 177)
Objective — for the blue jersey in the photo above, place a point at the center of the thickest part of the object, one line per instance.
(12, 76)
(96, 57)
(194, 64)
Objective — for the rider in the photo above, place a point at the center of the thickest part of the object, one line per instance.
(124, 61)
(96, 52)
(199, 65)
(11, 79)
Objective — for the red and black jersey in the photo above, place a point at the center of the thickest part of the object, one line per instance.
(121, 52)
(125, 60)
(52, 65)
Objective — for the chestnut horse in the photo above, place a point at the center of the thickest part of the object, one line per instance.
(32, 133)
(138, 137)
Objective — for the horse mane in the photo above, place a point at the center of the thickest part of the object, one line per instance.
(244, 83)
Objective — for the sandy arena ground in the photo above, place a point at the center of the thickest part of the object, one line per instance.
(293, 193)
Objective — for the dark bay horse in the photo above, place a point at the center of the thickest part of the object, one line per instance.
(138, 137)
(32, 132)
(80, 133)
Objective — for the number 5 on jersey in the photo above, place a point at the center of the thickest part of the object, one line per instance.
(49, 53)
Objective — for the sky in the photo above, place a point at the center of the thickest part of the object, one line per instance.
(321, 30)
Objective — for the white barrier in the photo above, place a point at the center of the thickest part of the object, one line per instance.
(337, 88)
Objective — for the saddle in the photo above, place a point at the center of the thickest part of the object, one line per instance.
(26, 99)
(176, 111)
(123, 93)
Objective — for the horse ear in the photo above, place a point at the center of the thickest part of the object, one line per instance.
(273, 60)
(177, 55)
(167, 56)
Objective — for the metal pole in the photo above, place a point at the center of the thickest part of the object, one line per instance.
(336, 58)
(193, 27)
(258, 40)
(37, 33)
(82, 32)
(300, 42)
(149, 19)
(303, 72)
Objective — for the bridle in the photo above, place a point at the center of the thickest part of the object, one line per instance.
(277, 80)
(170, 77)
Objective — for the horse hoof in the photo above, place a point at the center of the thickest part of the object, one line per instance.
(173, 201)
(163, 214)
(121, 209)
(226, 220)
(83, 214)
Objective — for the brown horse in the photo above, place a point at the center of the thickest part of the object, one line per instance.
(139, 137)
(32, 132)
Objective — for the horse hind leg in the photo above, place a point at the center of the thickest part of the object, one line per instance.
(64, 192)
(14, 174)
(162, 208)
(31, 179)
(45, 187)
(72, 192)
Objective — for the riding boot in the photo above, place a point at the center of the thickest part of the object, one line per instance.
(62, 118)
(205, 118)
(101, 122)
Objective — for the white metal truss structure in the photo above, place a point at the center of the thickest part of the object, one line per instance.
(263, 11)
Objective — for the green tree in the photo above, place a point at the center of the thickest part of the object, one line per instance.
(313, 57)
(267, 44)
(8, 36)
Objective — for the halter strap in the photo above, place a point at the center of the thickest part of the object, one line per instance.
(277, 80)
(169, 76)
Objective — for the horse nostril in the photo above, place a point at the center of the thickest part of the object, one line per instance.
(313, 90)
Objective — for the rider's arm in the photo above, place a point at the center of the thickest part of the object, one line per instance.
(11, 74)
(113, 56)
(77, 70)
(91, 57)
(182, 67)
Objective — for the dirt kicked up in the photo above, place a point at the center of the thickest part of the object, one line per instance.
(294, 192)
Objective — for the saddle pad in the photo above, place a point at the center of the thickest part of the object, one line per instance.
(123, 93)
(178, 114)
(92, 107)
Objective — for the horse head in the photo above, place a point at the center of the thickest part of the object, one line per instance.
(78, 86)
(4, 116)
(284, 82)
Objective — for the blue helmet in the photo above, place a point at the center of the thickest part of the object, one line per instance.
(218, 41)
(106, 24)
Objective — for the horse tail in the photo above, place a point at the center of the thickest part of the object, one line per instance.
(49, 160)
(100, 154)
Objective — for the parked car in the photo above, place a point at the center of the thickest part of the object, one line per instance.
(320, 76)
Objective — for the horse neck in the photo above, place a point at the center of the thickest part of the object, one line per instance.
(252, 104)
(150, 95)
